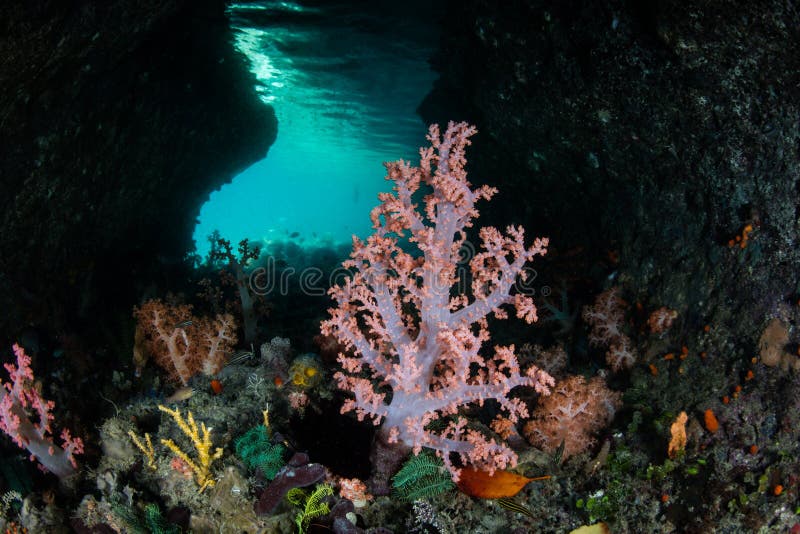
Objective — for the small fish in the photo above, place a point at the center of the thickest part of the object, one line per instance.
(184, 324)
(180, 395)
(216, 386)
(294, 234)
(240, 356)
(559, 453)
(509, 504)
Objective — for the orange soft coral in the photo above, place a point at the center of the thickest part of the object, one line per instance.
(661, 320)
(572, 414)
(677, 432)
(183, 344)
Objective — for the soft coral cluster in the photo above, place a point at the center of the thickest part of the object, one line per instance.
(572, 414)
(409, 326)
(19, 400)
(606, 318)
(183, 344)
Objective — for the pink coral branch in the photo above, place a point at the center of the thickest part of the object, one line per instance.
(19, 401)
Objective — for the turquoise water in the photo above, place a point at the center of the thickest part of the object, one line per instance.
(345, 89)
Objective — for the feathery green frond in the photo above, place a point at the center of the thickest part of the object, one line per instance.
(151, 522)
(423, 475)
(258, 452)
(314, 507)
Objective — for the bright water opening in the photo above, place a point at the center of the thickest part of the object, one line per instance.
(345, 87)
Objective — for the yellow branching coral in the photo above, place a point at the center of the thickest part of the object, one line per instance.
(202, 466)
(146, 448)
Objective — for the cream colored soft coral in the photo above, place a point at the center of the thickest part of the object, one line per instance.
(573, 414)
(183, 344)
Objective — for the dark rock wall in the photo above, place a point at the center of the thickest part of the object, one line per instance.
(116, 120)
(658, 130)
(655, 129)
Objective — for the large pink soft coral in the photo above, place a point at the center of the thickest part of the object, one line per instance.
(414, 334)
(19, 401)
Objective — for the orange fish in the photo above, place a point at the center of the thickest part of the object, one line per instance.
(216, 386)
(480, 484)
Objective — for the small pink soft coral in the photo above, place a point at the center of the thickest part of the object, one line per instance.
(25, 416)
(661, 320)
(605, 318)
(620, 354)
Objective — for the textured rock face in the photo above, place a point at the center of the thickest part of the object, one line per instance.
(660, 132)
(116, 120)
